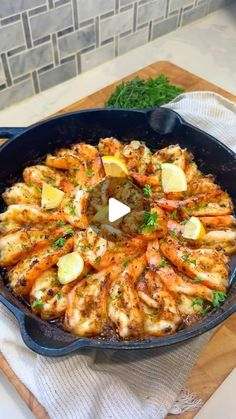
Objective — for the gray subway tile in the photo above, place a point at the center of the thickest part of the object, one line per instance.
(2, 75)
(31, 60)
(178, 4)
(193, 14)
(76, 41)
(151, 11)
(57, 75)
(11, 7)
(11, 36)
(116, 24)
(133, 41)
(125, 2)
(51, 21)
(167, 25)
(91, 8)
(16, 93)
(97, 57)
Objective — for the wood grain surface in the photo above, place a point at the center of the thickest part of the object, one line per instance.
(219, 356)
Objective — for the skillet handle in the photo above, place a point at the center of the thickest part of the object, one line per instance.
(8, 133)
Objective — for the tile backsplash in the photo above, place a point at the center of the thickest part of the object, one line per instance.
(45, 42)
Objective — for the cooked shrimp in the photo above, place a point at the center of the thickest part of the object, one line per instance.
(46, 255)
(123, 303)
(86, 312)
(25, 215)
(20, 193)
(219, 222)
(36, 175)
(15, 246)
(220, 239)
(161, 316)
(110, 147)
(48, 298)
(137, 156)
(207, 264)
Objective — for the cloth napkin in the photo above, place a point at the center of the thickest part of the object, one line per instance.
(111, 384)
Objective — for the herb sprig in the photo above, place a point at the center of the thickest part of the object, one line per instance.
(138, 93)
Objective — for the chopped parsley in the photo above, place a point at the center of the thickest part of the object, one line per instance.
(197, 302)
(37, 303)
(75, 169)
(150, 221)
(97, 259)
(36, 187)
(218, 298)
(197, 279)
(126, 262)
(71, 208)
(114, 297)
(59, 296)
(69, 232)
(164, 262)
(147, 190)
(89, 173)
(173, 215)
(173, 233)
(59, 242)
(60, 223)
(187, 259)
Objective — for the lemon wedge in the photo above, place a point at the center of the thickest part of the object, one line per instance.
(101, 215)
(114, 166)
(70, 266)
(194, 229)
(173, 178)
(51, 197)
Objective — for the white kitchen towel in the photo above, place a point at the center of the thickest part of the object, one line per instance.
(119, 385)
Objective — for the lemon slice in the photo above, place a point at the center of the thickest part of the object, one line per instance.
(173, 178)
(194, 229)
(70, 266)
(51, 197)
(114, 166)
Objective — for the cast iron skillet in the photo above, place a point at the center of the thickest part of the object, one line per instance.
(158, 128)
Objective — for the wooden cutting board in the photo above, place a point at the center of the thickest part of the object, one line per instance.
(219, 356)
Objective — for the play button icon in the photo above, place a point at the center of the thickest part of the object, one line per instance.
(117, 210)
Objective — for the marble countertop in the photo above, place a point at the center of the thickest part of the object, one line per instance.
(206, 48)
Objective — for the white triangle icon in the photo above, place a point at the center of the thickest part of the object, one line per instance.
(116, 210)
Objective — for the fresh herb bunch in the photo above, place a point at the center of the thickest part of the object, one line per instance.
(140, 94)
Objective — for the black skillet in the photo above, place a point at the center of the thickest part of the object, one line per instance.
(158, 128)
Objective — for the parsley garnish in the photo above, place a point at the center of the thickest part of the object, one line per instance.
(71, 209)
(97, 259)
(198, 301)
(89, 173)
(60, 223)
(36, 187)
(37, 303)
(59, 296)
(164, 262)
(69, 232)
(197, 279)
(173, 215)
(59, 242)
(218, 298)
(150, 221)
(126, 262)
(147, 190)
(173, 233)
(114, 297)
(75, 169)
(187, 259)
(140, 94)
